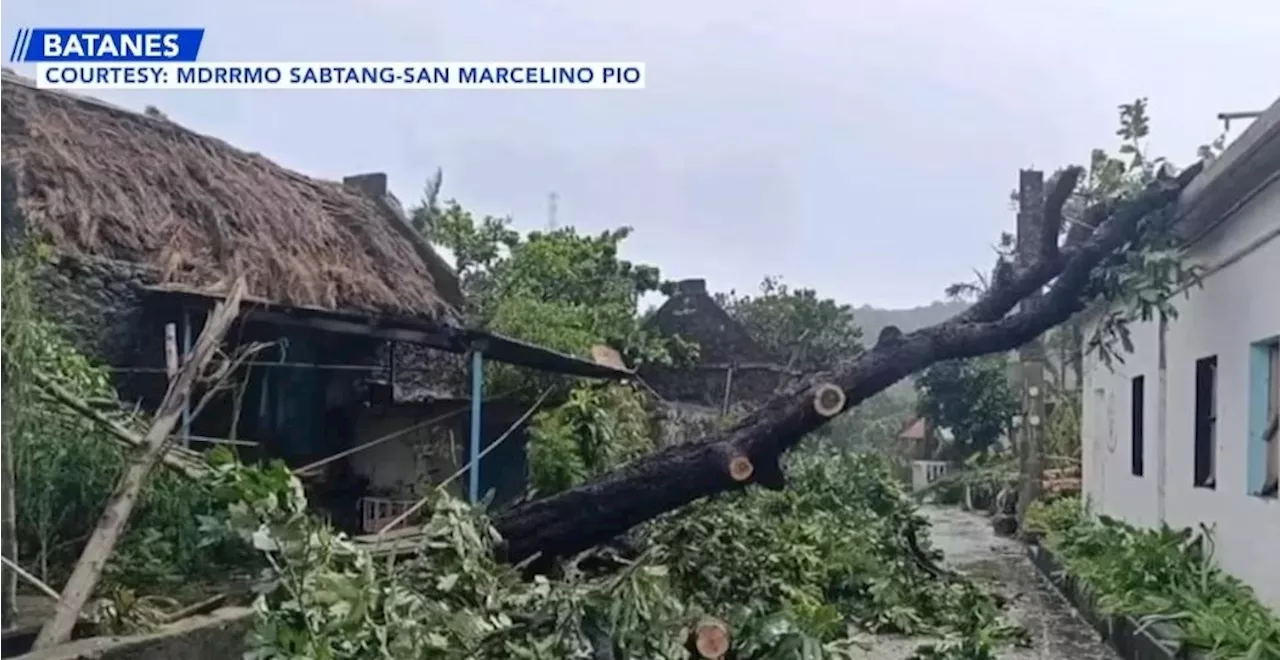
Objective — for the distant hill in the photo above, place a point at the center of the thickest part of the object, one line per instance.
(873, 319)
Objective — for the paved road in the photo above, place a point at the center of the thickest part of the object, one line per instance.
(1000, 563)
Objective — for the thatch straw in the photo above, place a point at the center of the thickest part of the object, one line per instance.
(98, 180)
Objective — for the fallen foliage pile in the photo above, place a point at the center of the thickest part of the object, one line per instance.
(801, 573)
(831, 550)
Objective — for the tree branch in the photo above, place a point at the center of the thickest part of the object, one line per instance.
(1026, 279)
(1062, 185)
(592, 513)
(188, 465)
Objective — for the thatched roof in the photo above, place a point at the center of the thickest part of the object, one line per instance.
(101, 181)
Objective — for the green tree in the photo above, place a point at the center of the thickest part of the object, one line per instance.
(972, 398)
(567, 291)
(796, 324)
(1142, 279)
(559, 288)
(875, 424)
(597, 429)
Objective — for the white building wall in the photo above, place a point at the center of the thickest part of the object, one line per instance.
(1106, 425)
(1238, 305)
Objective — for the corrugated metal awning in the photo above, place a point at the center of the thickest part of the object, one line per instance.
(452, 339)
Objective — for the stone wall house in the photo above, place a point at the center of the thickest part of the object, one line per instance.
(732, 372)
(147, 224)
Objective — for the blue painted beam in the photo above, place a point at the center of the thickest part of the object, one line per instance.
(186, 355)
(477, 393)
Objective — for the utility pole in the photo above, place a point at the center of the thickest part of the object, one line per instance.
(1031, 357)
(553, 208)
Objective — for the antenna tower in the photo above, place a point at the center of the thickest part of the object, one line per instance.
(553, 206)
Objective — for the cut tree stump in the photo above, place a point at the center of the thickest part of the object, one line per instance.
(710, 638)
(740, 468)
(828, 399)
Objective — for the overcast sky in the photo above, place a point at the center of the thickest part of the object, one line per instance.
(866, 149)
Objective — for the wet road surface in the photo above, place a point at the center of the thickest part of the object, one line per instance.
(1001, 565)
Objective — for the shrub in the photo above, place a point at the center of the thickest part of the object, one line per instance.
(1160, 575)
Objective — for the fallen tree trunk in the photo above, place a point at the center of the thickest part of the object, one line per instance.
(595, 512)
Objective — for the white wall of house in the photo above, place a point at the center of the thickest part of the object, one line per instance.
(1238, 306)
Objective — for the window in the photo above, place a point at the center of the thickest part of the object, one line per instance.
(1271, 432)
(1136, 427)
(1264, 418)
(1206, 422)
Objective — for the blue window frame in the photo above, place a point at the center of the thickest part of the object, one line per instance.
(1264, 408)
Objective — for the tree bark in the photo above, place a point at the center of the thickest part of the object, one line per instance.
(88, 569)
(595, 512)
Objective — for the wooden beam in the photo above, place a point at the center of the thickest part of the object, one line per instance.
(170, 350)
(432, 339)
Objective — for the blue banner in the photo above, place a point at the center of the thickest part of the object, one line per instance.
(106, 45)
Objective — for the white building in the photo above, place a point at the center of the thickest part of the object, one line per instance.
(1178, 433)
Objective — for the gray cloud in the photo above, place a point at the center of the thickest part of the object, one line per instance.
(863, 148)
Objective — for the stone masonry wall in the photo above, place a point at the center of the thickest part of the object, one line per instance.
(692, 314)
(99, 303)
(705, 386)
(676, 423)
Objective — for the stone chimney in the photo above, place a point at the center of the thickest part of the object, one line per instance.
(691, 287)
(373, 184)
